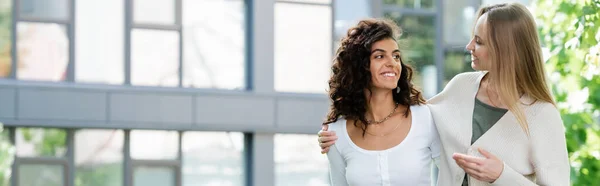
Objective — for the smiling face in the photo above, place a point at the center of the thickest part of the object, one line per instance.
(385, 64)
(479, 47)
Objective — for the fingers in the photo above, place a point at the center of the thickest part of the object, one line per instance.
(470, 168)
(323, 133)
(486, 153)
(326, 144)
(325, 127)
(325, 150)
(470, 159)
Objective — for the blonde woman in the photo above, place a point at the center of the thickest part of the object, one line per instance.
(499, 125)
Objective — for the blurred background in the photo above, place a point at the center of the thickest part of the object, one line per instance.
(233, 92)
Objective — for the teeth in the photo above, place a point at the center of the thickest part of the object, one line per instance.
(389, 74)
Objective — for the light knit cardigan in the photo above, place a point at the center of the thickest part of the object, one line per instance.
(540, 159)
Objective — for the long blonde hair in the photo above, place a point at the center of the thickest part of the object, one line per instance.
(516, 57)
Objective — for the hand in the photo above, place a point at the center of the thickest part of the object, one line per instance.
(486, 169)
(326, 139)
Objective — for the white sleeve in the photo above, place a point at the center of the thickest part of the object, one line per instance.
(337, 167)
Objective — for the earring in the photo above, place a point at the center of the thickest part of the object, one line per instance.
(397, 90)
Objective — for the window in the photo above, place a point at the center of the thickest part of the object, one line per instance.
(44, 9)
(154, 57)
(160, 12)
(417, 45)
(5, 39)
(459, 17)
(153, 176)
(154, 145)
(43, 51)
(412, 4)
(99, 42)
(214, 44)
(456, 62)
(99, 157)
(222, 166)
(41, 156)
(303, 47)
(298, 161)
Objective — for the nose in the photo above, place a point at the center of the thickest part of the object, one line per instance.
(470, 46)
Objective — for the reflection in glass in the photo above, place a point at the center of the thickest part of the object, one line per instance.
(222, 166)
(7, 153)
(154, 11)
(303, 47)
(43, 51)
(154, 145)
(417, 43)
(298, 161)
(99, 157)
(412, 4)
(154, 58)
(214, 44)
(5, 41)
(312, 1)
(44, 9)
(99, 53)
(456, 62)
(41, 142)
(458, 22)
(153, 176)
(41, 175)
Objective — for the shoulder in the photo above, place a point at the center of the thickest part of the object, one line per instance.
(458, 85)
(337, 126)
(543, 116)
(420, 110)
(465, 78)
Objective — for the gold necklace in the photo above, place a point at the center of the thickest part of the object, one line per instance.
(384, 134)
(386, 118)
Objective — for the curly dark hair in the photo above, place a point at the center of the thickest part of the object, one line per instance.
(351, 75)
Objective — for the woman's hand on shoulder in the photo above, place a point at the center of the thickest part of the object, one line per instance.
(326, 139)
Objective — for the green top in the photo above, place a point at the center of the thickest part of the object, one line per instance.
(484, 117)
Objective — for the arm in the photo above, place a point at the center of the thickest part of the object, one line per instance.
(549, 153)
(337, 167)
(326, 139)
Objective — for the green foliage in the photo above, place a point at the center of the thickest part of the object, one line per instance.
(52, 143)
(7, 152)
(570, 30)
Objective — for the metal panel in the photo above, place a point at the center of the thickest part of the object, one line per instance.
(301, 113)
(8, 97)
(156, 108)
(217, 110)
(61, 104)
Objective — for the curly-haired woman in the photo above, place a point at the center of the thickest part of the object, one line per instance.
(387, 135)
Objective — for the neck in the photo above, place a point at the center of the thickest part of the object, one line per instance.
(380, 103)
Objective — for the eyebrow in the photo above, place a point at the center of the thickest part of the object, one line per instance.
(381, 50)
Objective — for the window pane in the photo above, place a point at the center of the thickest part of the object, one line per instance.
(41, 175)
(153, 176)
(299, 162)
(347, 14)
(154, 58)
(154, 11)
(413, 4)
(417, 44)
(313, 1)
(214, 44)
(458, 18)
(45, 9)
(154, 145)
(456, 62)
(222, 166)
(40, 142)
(99, 157)
(7, 152)
(99, 53)
(5, 40)
(302, 56)
(43, 51)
